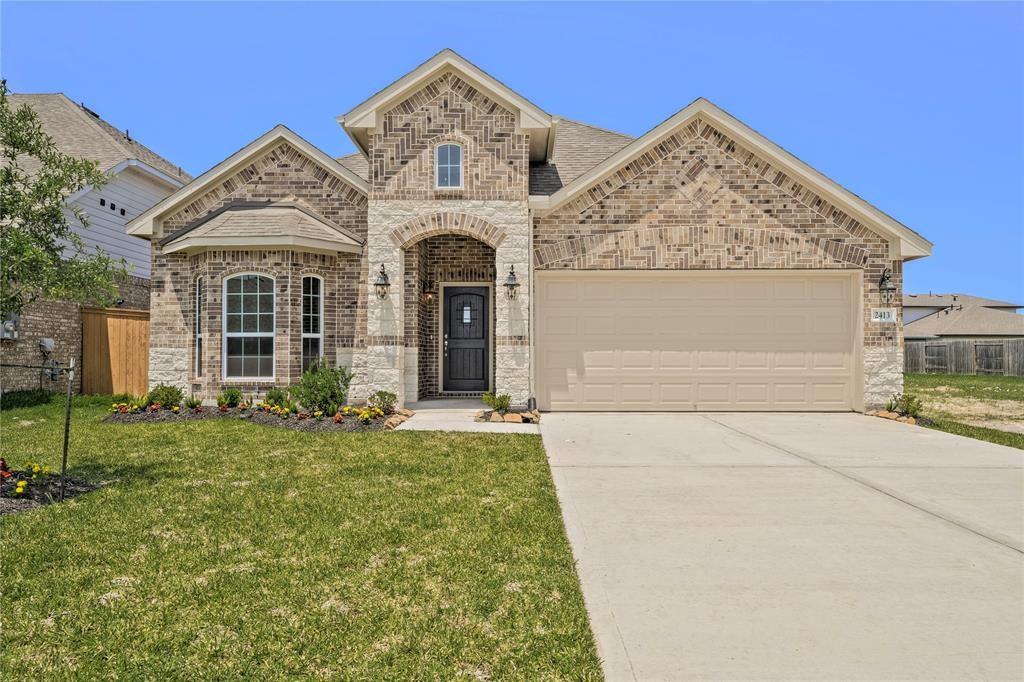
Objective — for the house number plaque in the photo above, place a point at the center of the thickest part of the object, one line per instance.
(883, 315)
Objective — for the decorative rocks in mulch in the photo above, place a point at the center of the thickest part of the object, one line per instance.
(296, 421)
(511, 417)
(38, 491)
(895, 416)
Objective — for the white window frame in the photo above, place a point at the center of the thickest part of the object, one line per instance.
(437, 165)
(197, 321)
(226, 334)
(302, 312)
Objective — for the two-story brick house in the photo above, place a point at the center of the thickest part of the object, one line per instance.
(698, 266)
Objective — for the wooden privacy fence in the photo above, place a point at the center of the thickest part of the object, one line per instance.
(115, 350)
(965, 356)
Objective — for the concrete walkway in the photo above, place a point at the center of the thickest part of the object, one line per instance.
(756, 546)
(457, 415)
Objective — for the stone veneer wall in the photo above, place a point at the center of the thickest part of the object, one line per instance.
(429, 264)
(700, 200)
(281, 173)
(62, 322)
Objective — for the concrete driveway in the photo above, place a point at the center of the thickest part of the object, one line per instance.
(754, 546)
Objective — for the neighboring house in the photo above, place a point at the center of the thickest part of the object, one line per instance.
(960, 334)
(699, 266)
(916, 306)
(138, 178)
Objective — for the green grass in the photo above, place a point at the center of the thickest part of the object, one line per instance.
(229, 550)
(981, 387)
(1008, 438)
(950, 400)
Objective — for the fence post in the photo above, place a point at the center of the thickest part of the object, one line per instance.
(67, 426)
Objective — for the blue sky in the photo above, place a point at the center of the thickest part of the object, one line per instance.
(917, 107)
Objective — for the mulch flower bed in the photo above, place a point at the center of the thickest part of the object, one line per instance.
(35, 486)
(348, 419)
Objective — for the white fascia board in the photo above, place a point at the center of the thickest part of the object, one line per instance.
(195, 244)
(364, 115)
(144, 224)
(912, 245)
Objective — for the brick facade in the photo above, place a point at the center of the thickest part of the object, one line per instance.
(701, 201)
(696, 200)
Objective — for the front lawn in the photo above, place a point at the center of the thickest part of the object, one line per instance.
(984, 406)
(225, 549)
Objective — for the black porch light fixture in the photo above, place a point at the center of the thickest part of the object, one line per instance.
(511, 283)
(383, 284)
(886, 287)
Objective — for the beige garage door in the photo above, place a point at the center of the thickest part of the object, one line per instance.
(620, 340)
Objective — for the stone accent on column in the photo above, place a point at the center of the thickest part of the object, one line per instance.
(512, 320)
(412, 374)
(883, 375)
(504, 225)
(170, 365)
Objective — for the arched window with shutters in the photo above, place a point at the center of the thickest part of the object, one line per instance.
(249, 327)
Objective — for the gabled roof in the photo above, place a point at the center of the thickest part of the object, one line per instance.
(143, 225)
(943, 300)
(578, 147)
(364, 117)
(263, 224)
(912, 244)
(966, 321)
(81, 133)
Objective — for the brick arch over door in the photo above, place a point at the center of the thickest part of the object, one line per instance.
(447, 222)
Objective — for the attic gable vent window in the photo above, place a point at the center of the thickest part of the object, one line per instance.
(448, 165)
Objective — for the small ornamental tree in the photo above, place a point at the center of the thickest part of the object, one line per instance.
(41, 255)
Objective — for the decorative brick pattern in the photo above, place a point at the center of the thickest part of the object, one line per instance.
(447, 222)
(282, 173)
(699, 200)
(495, 151)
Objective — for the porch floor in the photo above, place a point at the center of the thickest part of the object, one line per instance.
(456, 414)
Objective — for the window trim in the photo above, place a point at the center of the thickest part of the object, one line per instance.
(225, 334)
(197, 331)
(320, 314)
(437, 165)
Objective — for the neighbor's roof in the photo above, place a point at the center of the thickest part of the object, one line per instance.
(967, 321)
(79, 132)
(264, 223)
(942, 300)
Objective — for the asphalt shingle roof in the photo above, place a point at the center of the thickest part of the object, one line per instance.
(81, 133)
(941, 300)
(967, 321)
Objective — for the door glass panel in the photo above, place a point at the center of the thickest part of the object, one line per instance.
(467, 315)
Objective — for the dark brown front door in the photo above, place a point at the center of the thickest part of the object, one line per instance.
(466, 356)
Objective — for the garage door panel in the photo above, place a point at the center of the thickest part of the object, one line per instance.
(683, 341)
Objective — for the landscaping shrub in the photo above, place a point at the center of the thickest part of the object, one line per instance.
(498, 403)
(229, 397)
(322, 388)
(905, 404)
(193, 402)
(275, 396)
(384, 401)
(29, 398)
(167, 396)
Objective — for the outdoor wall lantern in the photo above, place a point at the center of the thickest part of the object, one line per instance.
(886, 287)
(383, 284)
(511, 283)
